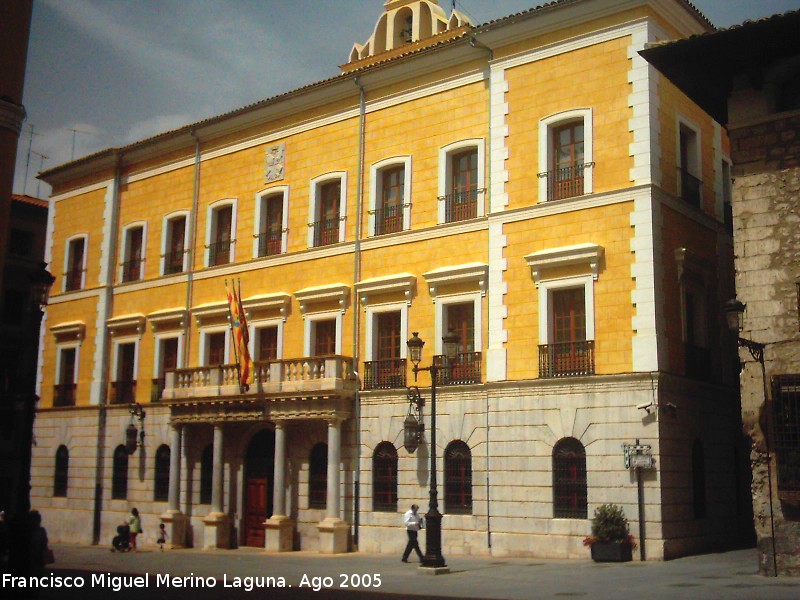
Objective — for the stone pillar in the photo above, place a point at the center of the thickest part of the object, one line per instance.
(333, 532)
(279, 528)
(216, 533)
(174, 520)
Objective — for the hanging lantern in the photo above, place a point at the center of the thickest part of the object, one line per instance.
(411, 431)
(130, 438)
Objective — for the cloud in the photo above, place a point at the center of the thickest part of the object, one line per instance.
(156, 125)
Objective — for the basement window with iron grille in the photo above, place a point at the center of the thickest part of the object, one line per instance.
(786, 426)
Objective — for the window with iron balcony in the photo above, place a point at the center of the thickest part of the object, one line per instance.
(123, 388)
(175, 245)
(388, 370)
(461, 203)
(389, 212)
(465, 368)
(271, 226)
(570, 353)
(133, 246)
(221, 241)
(75, 264)
(565, 176)
(326, 225)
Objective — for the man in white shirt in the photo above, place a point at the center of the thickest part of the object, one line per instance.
(413, 523)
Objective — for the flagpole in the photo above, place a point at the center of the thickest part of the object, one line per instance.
(233, 337)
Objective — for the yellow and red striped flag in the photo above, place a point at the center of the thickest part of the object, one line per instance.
(241, 335)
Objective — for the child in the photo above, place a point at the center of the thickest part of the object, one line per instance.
(162, 536)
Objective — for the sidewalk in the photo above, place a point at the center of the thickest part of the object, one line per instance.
(729, 575)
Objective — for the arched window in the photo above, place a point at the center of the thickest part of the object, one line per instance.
(206, 474)
(569, 480)
(161, 481)
(699, 480)
(61, 475)
(318, 476)
(384, 478)
(119, 476)
(458, 479)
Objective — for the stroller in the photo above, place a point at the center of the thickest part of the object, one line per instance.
(122, 541)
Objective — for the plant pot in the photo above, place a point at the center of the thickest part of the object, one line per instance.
(612, 551)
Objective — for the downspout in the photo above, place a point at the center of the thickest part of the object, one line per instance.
(478, 45)
(357, 312)
(187, 326)
(102, 388)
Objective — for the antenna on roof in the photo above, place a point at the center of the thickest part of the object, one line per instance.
(42, 158)
(74, 131)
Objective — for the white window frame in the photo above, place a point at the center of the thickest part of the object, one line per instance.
(546, 127)
(376, 189)
(255, 326)
(159, 339)
(441, 325)
(309, 329)
(125, 249)
(204, 333)
(127, 339)
(68, 255)
(211, 227)
(546, 289)
(446, 174)
(261, 213)
(370, 343)
(60, 347)
(695, 167)
(166, 234)
(313, 203)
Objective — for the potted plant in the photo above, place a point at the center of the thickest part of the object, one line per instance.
(611, 540)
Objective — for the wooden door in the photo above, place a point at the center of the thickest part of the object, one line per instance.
(257, 492)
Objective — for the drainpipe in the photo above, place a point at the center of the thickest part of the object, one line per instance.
(107, 296)
(187, 326)
(478, 45)
(357, 310)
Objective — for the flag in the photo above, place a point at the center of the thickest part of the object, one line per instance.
(241, 336)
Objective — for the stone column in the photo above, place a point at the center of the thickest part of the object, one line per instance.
(216, 532)
(333, 532)
(174, 520)
(279, 528)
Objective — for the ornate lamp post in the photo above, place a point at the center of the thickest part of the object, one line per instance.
(433, 519)
(132, 440)
(39, 291)
(734, 315)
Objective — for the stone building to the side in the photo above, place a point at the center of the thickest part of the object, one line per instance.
(531, 184)
(748, 78)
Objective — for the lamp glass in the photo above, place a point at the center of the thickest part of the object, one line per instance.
(415, 345)
(734, 315)
(450, 343)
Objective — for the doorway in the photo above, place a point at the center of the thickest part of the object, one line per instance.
(259, 468)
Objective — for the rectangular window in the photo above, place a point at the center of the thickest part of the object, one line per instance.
(270, 237)
(175, 250)
(570, 353)
(389, 213)
(786, 418)
(132, 263)
(462, 201)
(325, 338)
(267, 338)
(123, 388)
(565, 179)
(168, 361)
(75, 260)
(388, 369)
(215, 349)
(690, 184)
(326, 229)
(219, 250)
(66, 387)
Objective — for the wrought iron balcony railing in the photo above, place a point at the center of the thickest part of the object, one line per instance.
(385, 374)
(565, 182)
(460, 206)
(74, 279)
(326, 231)
(173, 262)
(132, 270)
(157, 388)
(219, 252)
(463, 369)
(64, 394)
(388, 219)
(566, 359)
(123, 392)
(690, 187)
(270, 242)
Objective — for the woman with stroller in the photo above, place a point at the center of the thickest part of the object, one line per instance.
(135, 525)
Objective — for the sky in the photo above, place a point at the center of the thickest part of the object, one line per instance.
(107, 73)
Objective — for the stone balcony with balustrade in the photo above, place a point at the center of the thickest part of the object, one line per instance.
(288, 378)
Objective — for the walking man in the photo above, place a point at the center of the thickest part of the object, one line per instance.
(413, 523)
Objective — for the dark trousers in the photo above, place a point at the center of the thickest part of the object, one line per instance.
(412, 545)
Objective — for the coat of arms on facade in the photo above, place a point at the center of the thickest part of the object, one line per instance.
(274, 162)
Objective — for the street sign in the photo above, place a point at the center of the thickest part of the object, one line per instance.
(637, 456)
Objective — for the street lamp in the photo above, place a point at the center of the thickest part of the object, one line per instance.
(131, 441)
(433, 520)
(734, 316)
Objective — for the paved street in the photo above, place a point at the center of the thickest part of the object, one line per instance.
(729, 575)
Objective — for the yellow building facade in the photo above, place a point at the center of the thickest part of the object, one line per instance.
(529, 186)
